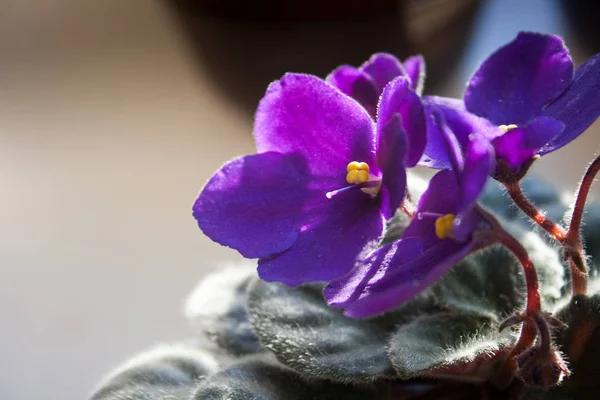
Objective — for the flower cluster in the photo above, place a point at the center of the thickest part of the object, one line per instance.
(315, 201)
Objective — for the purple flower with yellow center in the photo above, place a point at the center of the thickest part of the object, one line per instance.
(366, 83)
(325, 179)
(529, 90)
(439, 236)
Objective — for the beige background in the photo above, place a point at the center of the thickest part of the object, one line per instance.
(108, 129)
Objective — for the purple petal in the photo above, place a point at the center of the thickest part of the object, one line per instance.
(578, 106)
(390, 155)
(462, 124)
(342, 291)
(479, 164)
(253, 204)
(402, 279)
(356, 84)
(305, 115)
(453, 146)
(518, 80)
(398, 98)
(519, 145)
(441, 197)
(329, 243)
(383, 68)
(415, 70)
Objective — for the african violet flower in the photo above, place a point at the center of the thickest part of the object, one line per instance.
(366, 83)
(440, 235)
(528, 89)
(325, 179)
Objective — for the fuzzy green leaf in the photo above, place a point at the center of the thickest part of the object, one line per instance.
(217, 308)
(261, 378)
(319, 341)
(581, 340)
(436, 341)
(490, 283)
(165, 373)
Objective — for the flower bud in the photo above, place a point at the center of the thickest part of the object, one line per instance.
(543, 369)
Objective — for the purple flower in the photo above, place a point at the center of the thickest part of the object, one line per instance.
(325, 179)
(438, 237)
(524, 98)
(366, 83)
(529, 90)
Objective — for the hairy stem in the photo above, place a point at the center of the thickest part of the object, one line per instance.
(499, 235)
(582, 194)
(516, 194)
(573, 245)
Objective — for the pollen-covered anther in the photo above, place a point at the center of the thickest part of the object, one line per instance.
(443, 226)
(358, 172)
(507, 128)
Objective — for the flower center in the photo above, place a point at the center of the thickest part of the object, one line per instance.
(507, 128)
(443, 226)
(358, 177)
(358, 172)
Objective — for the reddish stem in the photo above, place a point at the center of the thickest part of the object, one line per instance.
(531, 279)
(498, 235)
(515, 193)
(584, 190)
(573, 246)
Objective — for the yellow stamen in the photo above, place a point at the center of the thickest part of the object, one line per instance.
(358, 172)
(507, 128)
(443, 226)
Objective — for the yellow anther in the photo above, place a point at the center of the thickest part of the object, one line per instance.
(443, 226)
(355, 165)
(507, 128)
(358, 172)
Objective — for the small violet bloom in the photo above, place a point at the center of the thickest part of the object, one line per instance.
(366, 83)
(529, 90)
(324, 181)
(439, 235)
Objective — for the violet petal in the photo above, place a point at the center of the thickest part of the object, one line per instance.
(518, 80)
(391, 151)
(343, 291)
(403, 278)
(253, 203)
(578, 106)
(519, 145)
(462, 124)
(356, 84)
(383, 68)
(441, 197)
(305, 115)
(398, 98)
(415, 70)
(479, 164)
(329, 242)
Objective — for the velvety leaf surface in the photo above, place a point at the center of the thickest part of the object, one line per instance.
(315, 339)
(217, 308)
(490, 283)
(262, 378)
(319, 341)
(581, 340)
(165, 373)
(434, 341)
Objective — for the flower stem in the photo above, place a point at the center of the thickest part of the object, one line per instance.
(582, 193)
(515, 193)
(499, 235)
(573, 245)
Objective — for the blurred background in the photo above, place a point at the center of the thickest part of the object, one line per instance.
(114, 113)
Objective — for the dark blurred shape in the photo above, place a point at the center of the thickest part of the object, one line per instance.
(291, 9)
(243, 52)
(584, 19)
